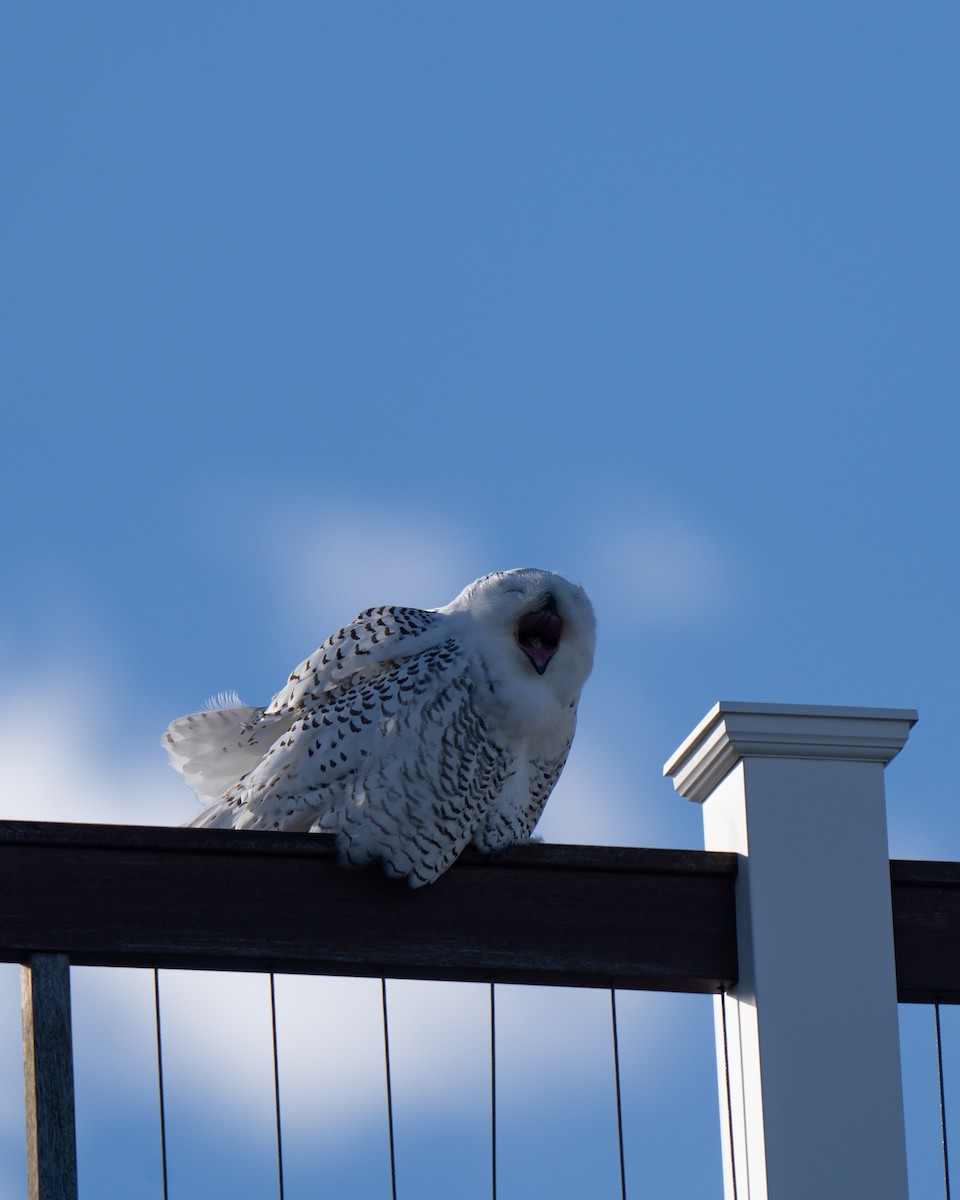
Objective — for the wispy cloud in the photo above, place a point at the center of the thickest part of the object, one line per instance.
(664, 569)
(57, 766)
(333, 560)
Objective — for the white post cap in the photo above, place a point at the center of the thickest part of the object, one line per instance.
(733, 730)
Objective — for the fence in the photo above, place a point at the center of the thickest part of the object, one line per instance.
(736, 922)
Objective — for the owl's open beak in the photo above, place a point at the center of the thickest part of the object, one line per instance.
(538, 634)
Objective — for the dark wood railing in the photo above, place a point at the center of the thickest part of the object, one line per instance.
(227, 900)
(590, 916)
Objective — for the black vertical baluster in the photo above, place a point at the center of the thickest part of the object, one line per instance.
(386, 1057)
(163, 1118)
(943, 1107)
(276, 1082)
(493, 1095)
(616, 1077)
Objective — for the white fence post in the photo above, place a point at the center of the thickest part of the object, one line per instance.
(812, 1051)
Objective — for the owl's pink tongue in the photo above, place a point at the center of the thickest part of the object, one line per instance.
(538, 635)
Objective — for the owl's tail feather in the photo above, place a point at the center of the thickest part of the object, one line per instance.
(215, 748)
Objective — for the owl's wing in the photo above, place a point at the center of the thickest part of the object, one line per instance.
(396, 762)
(374, 637)
(214, 748)
(217, 748)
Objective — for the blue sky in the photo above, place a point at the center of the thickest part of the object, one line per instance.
(309, 307)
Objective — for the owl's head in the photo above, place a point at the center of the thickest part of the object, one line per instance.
(540, 621)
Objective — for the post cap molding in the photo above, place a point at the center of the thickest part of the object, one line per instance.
(732, 730)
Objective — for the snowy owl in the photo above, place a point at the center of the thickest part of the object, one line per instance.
(409, 733)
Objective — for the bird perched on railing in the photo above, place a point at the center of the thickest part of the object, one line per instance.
(409, 733)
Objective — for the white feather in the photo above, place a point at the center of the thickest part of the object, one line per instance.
(223, 700)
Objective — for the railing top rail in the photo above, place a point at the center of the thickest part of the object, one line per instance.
(593, 916)
(572, 915)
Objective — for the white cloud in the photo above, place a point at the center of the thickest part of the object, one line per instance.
(591, 803)
(55, 766)
(664, 569)
(331, 562)
(11, 1098)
